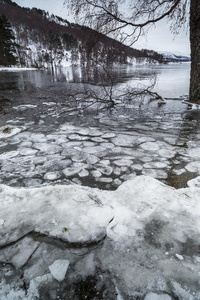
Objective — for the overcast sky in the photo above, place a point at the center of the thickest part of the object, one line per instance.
(158, 39)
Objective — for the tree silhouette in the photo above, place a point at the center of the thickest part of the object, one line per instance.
(7, 44)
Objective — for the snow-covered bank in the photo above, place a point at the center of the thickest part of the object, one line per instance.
(141, 240)
(14, 69)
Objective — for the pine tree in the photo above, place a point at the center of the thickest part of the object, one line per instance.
(7, 44)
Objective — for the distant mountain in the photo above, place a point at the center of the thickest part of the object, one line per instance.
(174, 57)
(47, 40)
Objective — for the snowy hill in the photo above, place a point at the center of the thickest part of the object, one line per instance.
(174, 57)
(45, 39)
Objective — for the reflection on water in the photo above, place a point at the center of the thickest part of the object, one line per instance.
(172, 80)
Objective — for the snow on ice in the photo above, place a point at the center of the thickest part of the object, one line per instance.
(142, 239)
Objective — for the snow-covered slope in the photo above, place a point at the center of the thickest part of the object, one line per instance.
(174, 57)
(45, 39)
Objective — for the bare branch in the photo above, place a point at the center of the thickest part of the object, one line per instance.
(117, 16)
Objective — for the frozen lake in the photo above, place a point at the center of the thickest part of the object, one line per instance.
(89, 223)
(59, 143)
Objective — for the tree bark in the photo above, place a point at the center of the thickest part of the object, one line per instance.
(195, 51)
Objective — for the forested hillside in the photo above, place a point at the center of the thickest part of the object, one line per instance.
(45, 39)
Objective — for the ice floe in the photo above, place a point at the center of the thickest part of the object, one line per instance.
(83, 173)
(124, 140)
(108, 135)
(68, 172)
(123, 162)
(150, 146)
(195, 182)
(9, 130)
(52, 175)
(70, 144)
(8, 155)
(59, 268)
(166, 153)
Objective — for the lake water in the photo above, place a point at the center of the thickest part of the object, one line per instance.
(58, 141)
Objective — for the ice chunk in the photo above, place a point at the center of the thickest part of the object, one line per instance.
(71, 144)
(97, 139)
(124, 140)
(80, 156)
(76, 137)
(24, 136)
(149, 172)
(96, 174)
(69, 152)
(9, 130)
(94, 132)
(166, 153)
(178, 171)
(59, 269)
(83, 173)
(105, 162)
(150, 146)
(86, 266)
(32, 182)
(156, 165)
(38, 137)
(8, 155)
(155, 173)
(108, 135)
(88, 144)
(9, 167)
(3, 144)
(28, 151)
(128, 176)
(92, 159)
(146, 159)
(94, 150)
(68, 172)
(123, 162)
(124, 169)
(19, 253)
(106, 170)
(117, 171)
(171, 140)
(104, 179)
(9, 292)
(145, 139)
(117, 182)
(56, 163)
(108, 145)
(194, 182)
(153, 296)
(136, 167)
(193, 166)
(27, 144)
(83, 131)
(30, 210)
(49, 148)
(193, 152)
(1, 222)
(180, 257)
(52, 175)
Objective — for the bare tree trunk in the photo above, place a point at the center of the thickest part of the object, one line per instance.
(195, 51)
